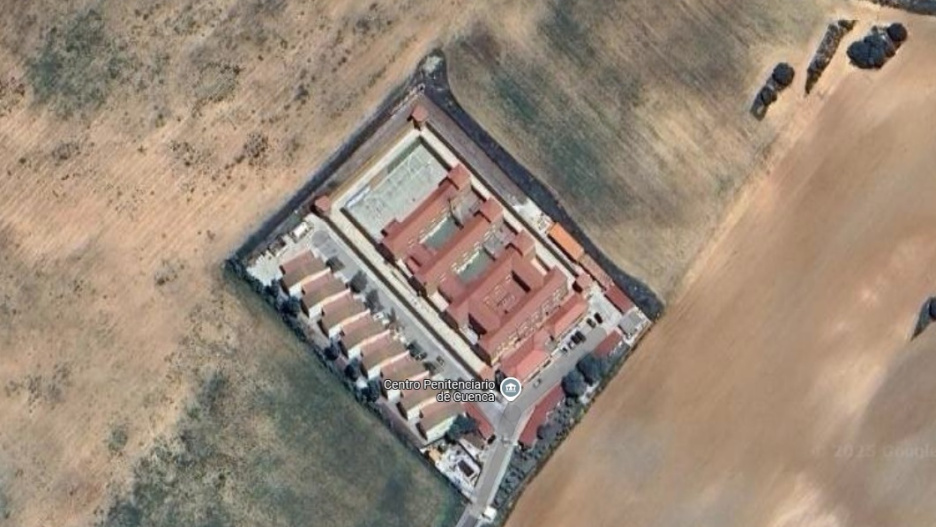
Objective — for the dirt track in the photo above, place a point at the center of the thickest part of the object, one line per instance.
(778, 391)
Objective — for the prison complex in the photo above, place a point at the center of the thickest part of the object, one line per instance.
(456, 244)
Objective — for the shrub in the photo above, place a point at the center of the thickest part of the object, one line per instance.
(783, 74)
(331, 352)
(358, 282)
(767, 95)
(292, 306)
(590, 368)
(353, 370)
(372, 301)
(547, 432)
(897, 33)
(870, 52)
(463, 424)
(78, 64)
(372, 392)
(117, 440)
(573, 384)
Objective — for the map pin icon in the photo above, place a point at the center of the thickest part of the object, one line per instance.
(510, 388)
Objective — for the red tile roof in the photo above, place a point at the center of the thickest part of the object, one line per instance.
(523, 243)
(609, 344)
(363, 332)
(540, 414)
(437, 413)
(420, 114)
(412, 399)
(400, 236)
(340, 310)
(485, 428)
(430, 273)
(405, 369)
(508, 294)
(322, 204)
(316, 291)
(299, 268)
(619, 299)
(384, 352)
(524, 361)
(566, 242)
(597, 272)
(570, 313)
(528, 307)
(583, 282)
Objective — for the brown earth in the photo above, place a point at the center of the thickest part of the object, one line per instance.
(636, 113)
(780, 389)
(139, 148)
(116, 213)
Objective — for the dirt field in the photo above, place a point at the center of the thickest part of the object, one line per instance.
(780, 389)
(137, 151)
(140, 145)
(635, 113)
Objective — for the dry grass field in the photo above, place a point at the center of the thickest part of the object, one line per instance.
(635, 113)
(141, 142)
(138, 148)
(780, 389)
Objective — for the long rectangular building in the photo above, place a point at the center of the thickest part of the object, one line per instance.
(299, 269)
(401, 236)
(509, 301)
(506, 300)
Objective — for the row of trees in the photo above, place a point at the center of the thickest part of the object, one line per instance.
(589, 371)
(827, 48)
(780, 79)
(877, 47)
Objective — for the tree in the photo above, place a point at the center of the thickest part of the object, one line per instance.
(767, 95)
(463, 424)
(573, 384)
(783, 74)
(415, 350)
(393, 321)
(358, 282)
(372, 301)
(271, 294)
(291, 306)
(870, 52)
(372, 392)
(897, 32)
(353, 370)
(932, 308)
(334, 264)
(332, 351)
(547, 432)
(590, 368)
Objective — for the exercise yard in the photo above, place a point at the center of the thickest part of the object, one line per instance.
(405, 181)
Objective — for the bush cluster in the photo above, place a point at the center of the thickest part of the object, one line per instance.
(780, 79)
(877, 47)
(827, 48)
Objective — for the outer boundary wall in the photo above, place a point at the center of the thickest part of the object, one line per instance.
(507, 176)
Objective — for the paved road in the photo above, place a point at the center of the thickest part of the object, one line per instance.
(508, 418)
(513, 419)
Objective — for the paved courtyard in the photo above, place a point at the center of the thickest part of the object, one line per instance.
(401, 185)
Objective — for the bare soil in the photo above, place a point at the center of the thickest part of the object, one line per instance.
(780, 389)
(142, 142)
(139, 146)
(636, 113)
